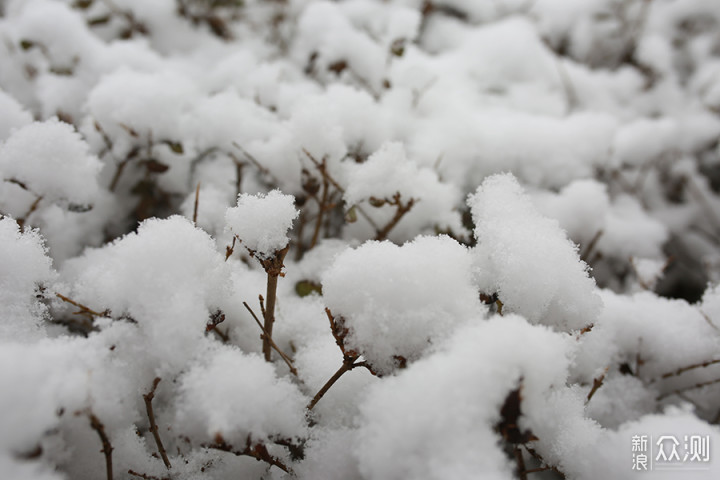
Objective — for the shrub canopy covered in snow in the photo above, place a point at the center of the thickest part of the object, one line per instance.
(359, 239)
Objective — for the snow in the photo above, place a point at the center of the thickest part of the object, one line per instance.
(435, 420)
(527, 259)
(274, 409)
(168, 277)
(53, 160)
(24, 267)
(14, 115)
(404, 299)
(261, 222)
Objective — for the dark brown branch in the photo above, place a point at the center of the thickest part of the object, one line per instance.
(597, 383)
(273, 267)
(264, 336)
(542, 461)
(258, 451)
(107, 449)
(401, 210)
(148, 397)
(145, 476)
(197, 203)
(347, 365)
(522, 473)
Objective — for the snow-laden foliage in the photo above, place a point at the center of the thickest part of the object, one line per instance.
(359, 239)
(526, 259)
(397, 301)
(249, 221)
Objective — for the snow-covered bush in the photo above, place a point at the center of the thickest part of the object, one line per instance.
(359, 239)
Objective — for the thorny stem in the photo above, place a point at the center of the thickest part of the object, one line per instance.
(282, 354)
(107, 449)
(148, 397)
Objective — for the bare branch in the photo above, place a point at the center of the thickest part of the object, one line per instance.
(83, 309)
(107, 449)
(197, 203)
(148, 397)
(264, 335)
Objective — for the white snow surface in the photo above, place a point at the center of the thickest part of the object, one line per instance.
(527, 260)
(261, 222)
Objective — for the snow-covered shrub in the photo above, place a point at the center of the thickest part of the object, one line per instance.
(397, 302)
(368, 239)
(526, 259)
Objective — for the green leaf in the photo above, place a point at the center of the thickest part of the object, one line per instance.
(306, 287)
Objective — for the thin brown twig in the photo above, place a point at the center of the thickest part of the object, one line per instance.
(282, 354)
(118, 172)
(686, 368)
(31, 210)
(264, 170)
(708, 320)
(341, 190)
(83, 309)
(690, 387)
(322, 205)
(591, 246)
(107, 449)
(148, 397)
(347, 365)
(542, 461)
(597, 383)
(401, 210)
(699, 195)
(145, 476)
(197, 203)
(258, 451)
